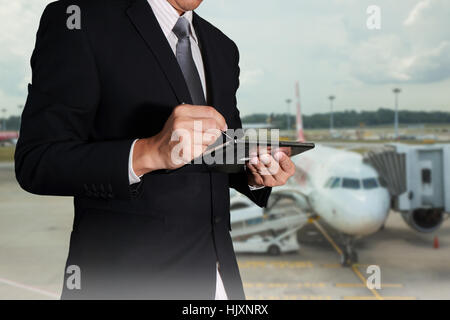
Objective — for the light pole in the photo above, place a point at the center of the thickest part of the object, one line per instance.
(4, 119)
(396, 92)
(331, 98)
(288, 102)
(20, 107)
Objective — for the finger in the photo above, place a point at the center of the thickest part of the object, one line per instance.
(213, 132)
(261, 168)
(196, 150)
(252, 168)
(210, 112)
(253, 160)
(206, 138)
(187, 151)
(193, 142)
(257, 179)
(275, 170)
(203, 112)
(285, 162)
(260, 172)
(271, 164)
(286, 150)
(196, 124)
(269, 181)
(209, 138)
(262, 150)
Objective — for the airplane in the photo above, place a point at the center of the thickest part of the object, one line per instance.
(9, 137)
(336, 186)
(339, 187)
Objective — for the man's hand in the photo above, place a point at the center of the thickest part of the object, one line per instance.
(270, 171)
(186, 134)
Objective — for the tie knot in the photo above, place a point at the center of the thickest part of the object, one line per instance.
(181, 28)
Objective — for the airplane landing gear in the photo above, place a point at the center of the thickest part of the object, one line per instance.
(349, 255)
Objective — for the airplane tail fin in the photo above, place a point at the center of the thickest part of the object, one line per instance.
(299, 122)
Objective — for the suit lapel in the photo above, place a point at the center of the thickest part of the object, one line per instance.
(143, 18)
(208, 52)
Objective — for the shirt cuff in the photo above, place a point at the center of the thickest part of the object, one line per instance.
(132, 177)
(253, 188)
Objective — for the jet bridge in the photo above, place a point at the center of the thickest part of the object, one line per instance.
(418, 180)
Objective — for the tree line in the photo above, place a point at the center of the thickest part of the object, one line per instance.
(342, 119)
(10, 124)
(351, 118)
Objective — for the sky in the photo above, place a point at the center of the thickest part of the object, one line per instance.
(324, 44)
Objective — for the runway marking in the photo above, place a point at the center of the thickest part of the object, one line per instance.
(361, 285)
(375, 298)
(29, 288)
(332, 265)
(364, 280)
(288, 297)
(284, 284)
(354, 267)
(363, 265)
(325, 234)
(275, 264)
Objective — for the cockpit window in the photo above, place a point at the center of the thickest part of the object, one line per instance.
(370, 183)
(335, 183)
(349, 183)
(328, 183)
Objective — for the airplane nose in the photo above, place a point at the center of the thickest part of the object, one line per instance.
(367, 212)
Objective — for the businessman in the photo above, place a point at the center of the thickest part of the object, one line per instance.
(105, 99)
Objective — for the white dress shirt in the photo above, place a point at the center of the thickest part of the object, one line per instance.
(167, 17)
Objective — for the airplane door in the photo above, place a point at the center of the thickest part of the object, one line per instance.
(432, 184)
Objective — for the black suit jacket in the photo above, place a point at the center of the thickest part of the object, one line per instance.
(93, 92)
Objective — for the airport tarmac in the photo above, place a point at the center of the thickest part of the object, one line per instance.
(34, 236)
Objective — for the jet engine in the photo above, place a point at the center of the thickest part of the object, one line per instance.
(424, 220)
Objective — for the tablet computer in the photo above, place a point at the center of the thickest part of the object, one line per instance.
(232, 155)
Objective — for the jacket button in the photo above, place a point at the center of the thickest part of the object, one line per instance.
(95, 193)
(217, 219)
(87, 192)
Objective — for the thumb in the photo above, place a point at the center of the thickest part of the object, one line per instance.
(284, 161)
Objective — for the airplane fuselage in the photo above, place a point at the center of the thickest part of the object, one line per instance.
(342, 190)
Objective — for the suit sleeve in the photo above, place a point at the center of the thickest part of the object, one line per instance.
(239, 181)
(56, 154)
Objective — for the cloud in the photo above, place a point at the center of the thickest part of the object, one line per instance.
(387, 60)
(251, 76)
(430, 66)
(376, 61)
(418, 53)
(18, 25)
(416, 12)
(323, 44)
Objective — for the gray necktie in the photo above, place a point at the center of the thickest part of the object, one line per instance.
(186, 62)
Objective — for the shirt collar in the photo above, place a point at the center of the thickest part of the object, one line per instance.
(167, 17)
